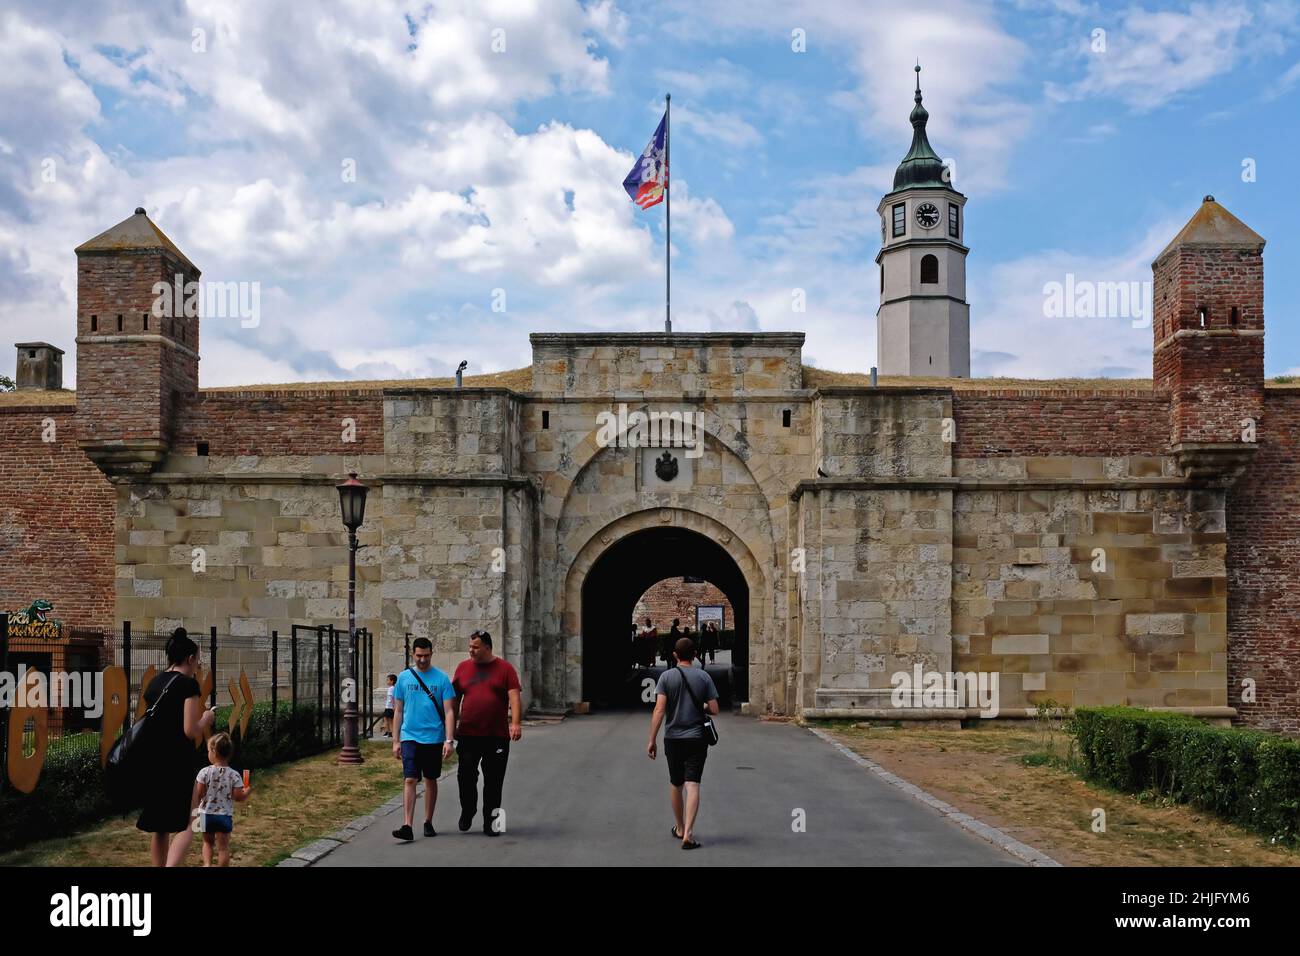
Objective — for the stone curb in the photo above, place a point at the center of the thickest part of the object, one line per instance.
(1003, 841)
(318, 849)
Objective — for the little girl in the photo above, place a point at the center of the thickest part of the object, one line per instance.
(216, 789)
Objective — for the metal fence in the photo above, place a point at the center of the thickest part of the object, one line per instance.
(273, 678)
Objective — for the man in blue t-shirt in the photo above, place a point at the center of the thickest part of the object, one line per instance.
(424, 732)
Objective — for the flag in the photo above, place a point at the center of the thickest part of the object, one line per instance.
(649, 177)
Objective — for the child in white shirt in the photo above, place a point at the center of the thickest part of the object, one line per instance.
(216, 790)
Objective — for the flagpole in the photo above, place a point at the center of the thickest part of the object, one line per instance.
(668, 215)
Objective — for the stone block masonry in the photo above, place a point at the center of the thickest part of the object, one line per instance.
(1088, 544)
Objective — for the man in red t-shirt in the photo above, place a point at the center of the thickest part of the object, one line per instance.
(491, 714)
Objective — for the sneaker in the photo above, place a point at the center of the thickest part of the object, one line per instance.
(428, 829)
(465, 822)
(404, 834)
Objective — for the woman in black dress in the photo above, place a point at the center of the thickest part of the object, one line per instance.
(173, 730)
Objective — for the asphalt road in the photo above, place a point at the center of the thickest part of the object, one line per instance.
(583, 792)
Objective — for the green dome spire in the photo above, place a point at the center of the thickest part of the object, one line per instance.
(921, 166)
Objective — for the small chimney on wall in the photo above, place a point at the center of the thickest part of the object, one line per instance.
(40, 367)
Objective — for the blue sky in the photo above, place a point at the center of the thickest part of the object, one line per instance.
(493, 175)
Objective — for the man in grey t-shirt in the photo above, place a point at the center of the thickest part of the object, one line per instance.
(685, 747)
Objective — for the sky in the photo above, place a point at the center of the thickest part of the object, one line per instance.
(409, 185)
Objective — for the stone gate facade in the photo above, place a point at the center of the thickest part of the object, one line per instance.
(1126, 543)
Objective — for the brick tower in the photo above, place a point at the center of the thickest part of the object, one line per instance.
(134, 361)
(1209, 340)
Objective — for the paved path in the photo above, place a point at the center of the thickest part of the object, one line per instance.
(582, 792)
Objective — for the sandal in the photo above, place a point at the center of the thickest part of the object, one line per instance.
(690, 845)
(673, 831)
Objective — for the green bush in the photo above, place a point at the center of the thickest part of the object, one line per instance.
(70, 792)
(1248, 777)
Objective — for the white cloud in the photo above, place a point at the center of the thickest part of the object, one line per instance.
(726, 128)
(1154, 56)
(968, 60)
(1012, 334)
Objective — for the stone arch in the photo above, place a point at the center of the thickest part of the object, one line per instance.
(559, 484)
(757, 579)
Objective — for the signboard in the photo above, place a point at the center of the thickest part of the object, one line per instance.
(708, 612)
(35, 622)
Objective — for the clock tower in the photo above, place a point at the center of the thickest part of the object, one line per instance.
(923, 323)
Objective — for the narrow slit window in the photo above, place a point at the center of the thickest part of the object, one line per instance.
(1205, 315)
(900, 218)
(546, 419)
(1235, 317)
(785, 418)
(119, 323)
(145, 317)
(94, 323)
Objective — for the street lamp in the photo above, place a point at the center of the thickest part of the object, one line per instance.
(352, 502)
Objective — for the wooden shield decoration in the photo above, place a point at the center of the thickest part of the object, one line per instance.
(248, 705)
(25, 771)
(140, 706)
(115, 706)
(234, 710)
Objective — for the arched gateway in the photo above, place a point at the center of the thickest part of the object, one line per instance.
(629, 555)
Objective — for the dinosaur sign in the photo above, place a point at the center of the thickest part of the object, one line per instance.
(35, 621)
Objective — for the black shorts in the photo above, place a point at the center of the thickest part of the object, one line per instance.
(421, 760)
(388, 713)
(685, 760)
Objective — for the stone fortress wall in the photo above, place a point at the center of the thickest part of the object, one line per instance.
(1088, 544)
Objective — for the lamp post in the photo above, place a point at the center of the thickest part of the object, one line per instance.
(352, 501)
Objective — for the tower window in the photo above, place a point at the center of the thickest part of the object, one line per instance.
(929, 270)
(119, 323)
(785, 418)
(882, 278)
(144, 316)
(900, 219)
(954, 221)
(1236, 315)
(1205, 315)
(546, 419)
(201, 448)
(94, 323)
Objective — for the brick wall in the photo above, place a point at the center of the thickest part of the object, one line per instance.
(1263, 571)
(674, 598)
(131, 364)
(284, 423)
(1012, 423)
(56, 520)
(1213, 371)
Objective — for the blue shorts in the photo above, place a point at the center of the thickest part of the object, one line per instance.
(421, 760)
(216, 823)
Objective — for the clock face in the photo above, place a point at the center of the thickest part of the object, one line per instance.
(927, 215)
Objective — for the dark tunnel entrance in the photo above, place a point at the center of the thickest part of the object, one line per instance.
(610, 676)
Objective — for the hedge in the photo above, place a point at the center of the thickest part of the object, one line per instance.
(1248, 777)
(70, 793)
